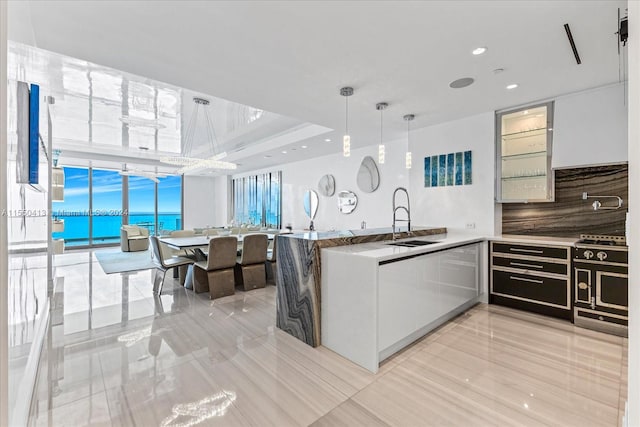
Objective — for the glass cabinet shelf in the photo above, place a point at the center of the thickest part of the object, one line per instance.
(523, 154)
(523, 177)
(524, 134)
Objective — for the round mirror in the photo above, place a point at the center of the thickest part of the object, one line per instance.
(327, 185)
(347, 201)
(368, 177)
(310, 202)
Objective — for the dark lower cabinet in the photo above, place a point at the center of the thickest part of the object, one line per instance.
(538, 289)
(532, 277)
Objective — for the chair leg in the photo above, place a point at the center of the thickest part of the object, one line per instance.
(158, 281)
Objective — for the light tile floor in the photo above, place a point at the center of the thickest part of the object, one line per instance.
(117, 355)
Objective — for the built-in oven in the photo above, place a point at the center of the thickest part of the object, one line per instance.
(600, 281)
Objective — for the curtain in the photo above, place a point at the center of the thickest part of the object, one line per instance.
(257, 200)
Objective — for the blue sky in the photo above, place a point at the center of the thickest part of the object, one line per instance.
(107, 192)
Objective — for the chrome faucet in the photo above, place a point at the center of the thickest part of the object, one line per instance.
(407, 209)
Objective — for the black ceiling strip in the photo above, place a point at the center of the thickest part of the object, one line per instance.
(573, 44)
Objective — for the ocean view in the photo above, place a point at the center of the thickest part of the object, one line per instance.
(106, 228)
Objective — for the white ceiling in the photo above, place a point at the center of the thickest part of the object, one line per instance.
(291, 57)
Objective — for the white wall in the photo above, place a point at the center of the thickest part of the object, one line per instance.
(4, 276)
(634, 196)
(374, 208)
(21, 26)
(590, 127)
(202, 198)
(456, 206)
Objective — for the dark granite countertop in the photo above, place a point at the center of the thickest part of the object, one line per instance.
(326, 235)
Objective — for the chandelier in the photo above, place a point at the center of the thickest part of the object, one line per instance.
(186, 161)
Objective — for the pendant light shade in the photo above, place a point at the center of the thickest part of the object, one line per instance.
(346, 139)
(407, 159)
(380, 106)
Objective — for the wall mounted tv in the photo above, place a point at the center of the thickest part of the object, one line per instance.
(28, 122)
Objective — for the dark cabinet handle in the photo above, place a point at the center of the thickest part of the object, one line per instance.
(519, 264)
(526, 280)
(530, 251)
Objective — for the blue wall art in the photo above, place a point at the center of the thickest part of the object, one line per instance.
(448, 169)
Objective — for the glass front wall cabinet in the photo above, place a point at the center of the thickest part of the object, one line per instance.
(523, 164)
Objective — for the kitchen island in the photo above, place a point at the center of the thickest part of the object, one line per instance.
(299, 270)
(378, 297)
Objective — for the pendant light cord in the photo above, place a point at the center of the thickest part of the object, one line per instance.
(381, 110)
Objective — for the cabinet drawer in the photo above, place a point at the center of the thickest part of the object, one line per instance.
(527, 287)
(531, 250)
(531, 265)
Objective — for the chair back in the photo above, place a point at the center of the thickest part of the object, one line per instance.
(254, 249)
(210, 231)
(222, 252)
(182, 233)
(156, 254)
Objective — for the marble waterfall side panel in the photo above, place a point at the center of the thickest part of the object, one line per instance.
(298, 307)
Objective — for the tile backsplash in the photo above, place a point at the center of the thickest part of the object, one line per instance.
(569, 215)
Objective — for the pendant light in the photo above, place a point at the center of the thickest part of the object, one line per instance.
(346, 139)
(407, 159)
(186, 160)
(380, 106)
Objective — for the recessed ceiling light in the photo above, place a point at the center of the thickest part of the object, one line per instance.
(525, 112)
(479, 50)
(327, 140)
(267, 156)
(498, 70)
(460, 83)
(293, 149)
(304, 146)
(512, 86)
(284, 152)
(143, 148)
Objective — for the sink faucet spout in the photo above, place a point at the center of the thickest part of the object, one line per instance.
(396, 208)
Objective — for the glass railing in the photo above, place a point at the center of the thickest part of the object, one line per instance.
(106, 228)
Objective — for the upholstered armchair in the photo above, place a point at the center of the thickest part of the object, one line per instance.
(134, 238)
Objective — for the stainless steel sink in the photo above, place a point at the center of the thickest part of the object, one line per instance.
(412, 243)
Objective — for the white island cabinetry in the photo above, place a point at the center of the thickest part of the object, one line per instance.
(377, 298)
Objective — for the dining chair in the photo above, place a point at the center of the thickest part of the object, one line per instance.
(216, 274)
(250, 270)
(271, 263)
(163, 264)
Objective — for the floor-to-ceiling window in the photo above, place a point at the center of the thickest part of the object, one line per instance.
(257, 200)
(106, 206)
(170, 204)
(94, 208)
(142, 203)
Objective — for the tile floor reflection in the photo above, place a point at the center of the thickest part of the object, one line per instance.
(118, 355)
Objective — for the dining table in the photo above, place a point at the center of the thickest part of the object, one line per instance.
(198, 242)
